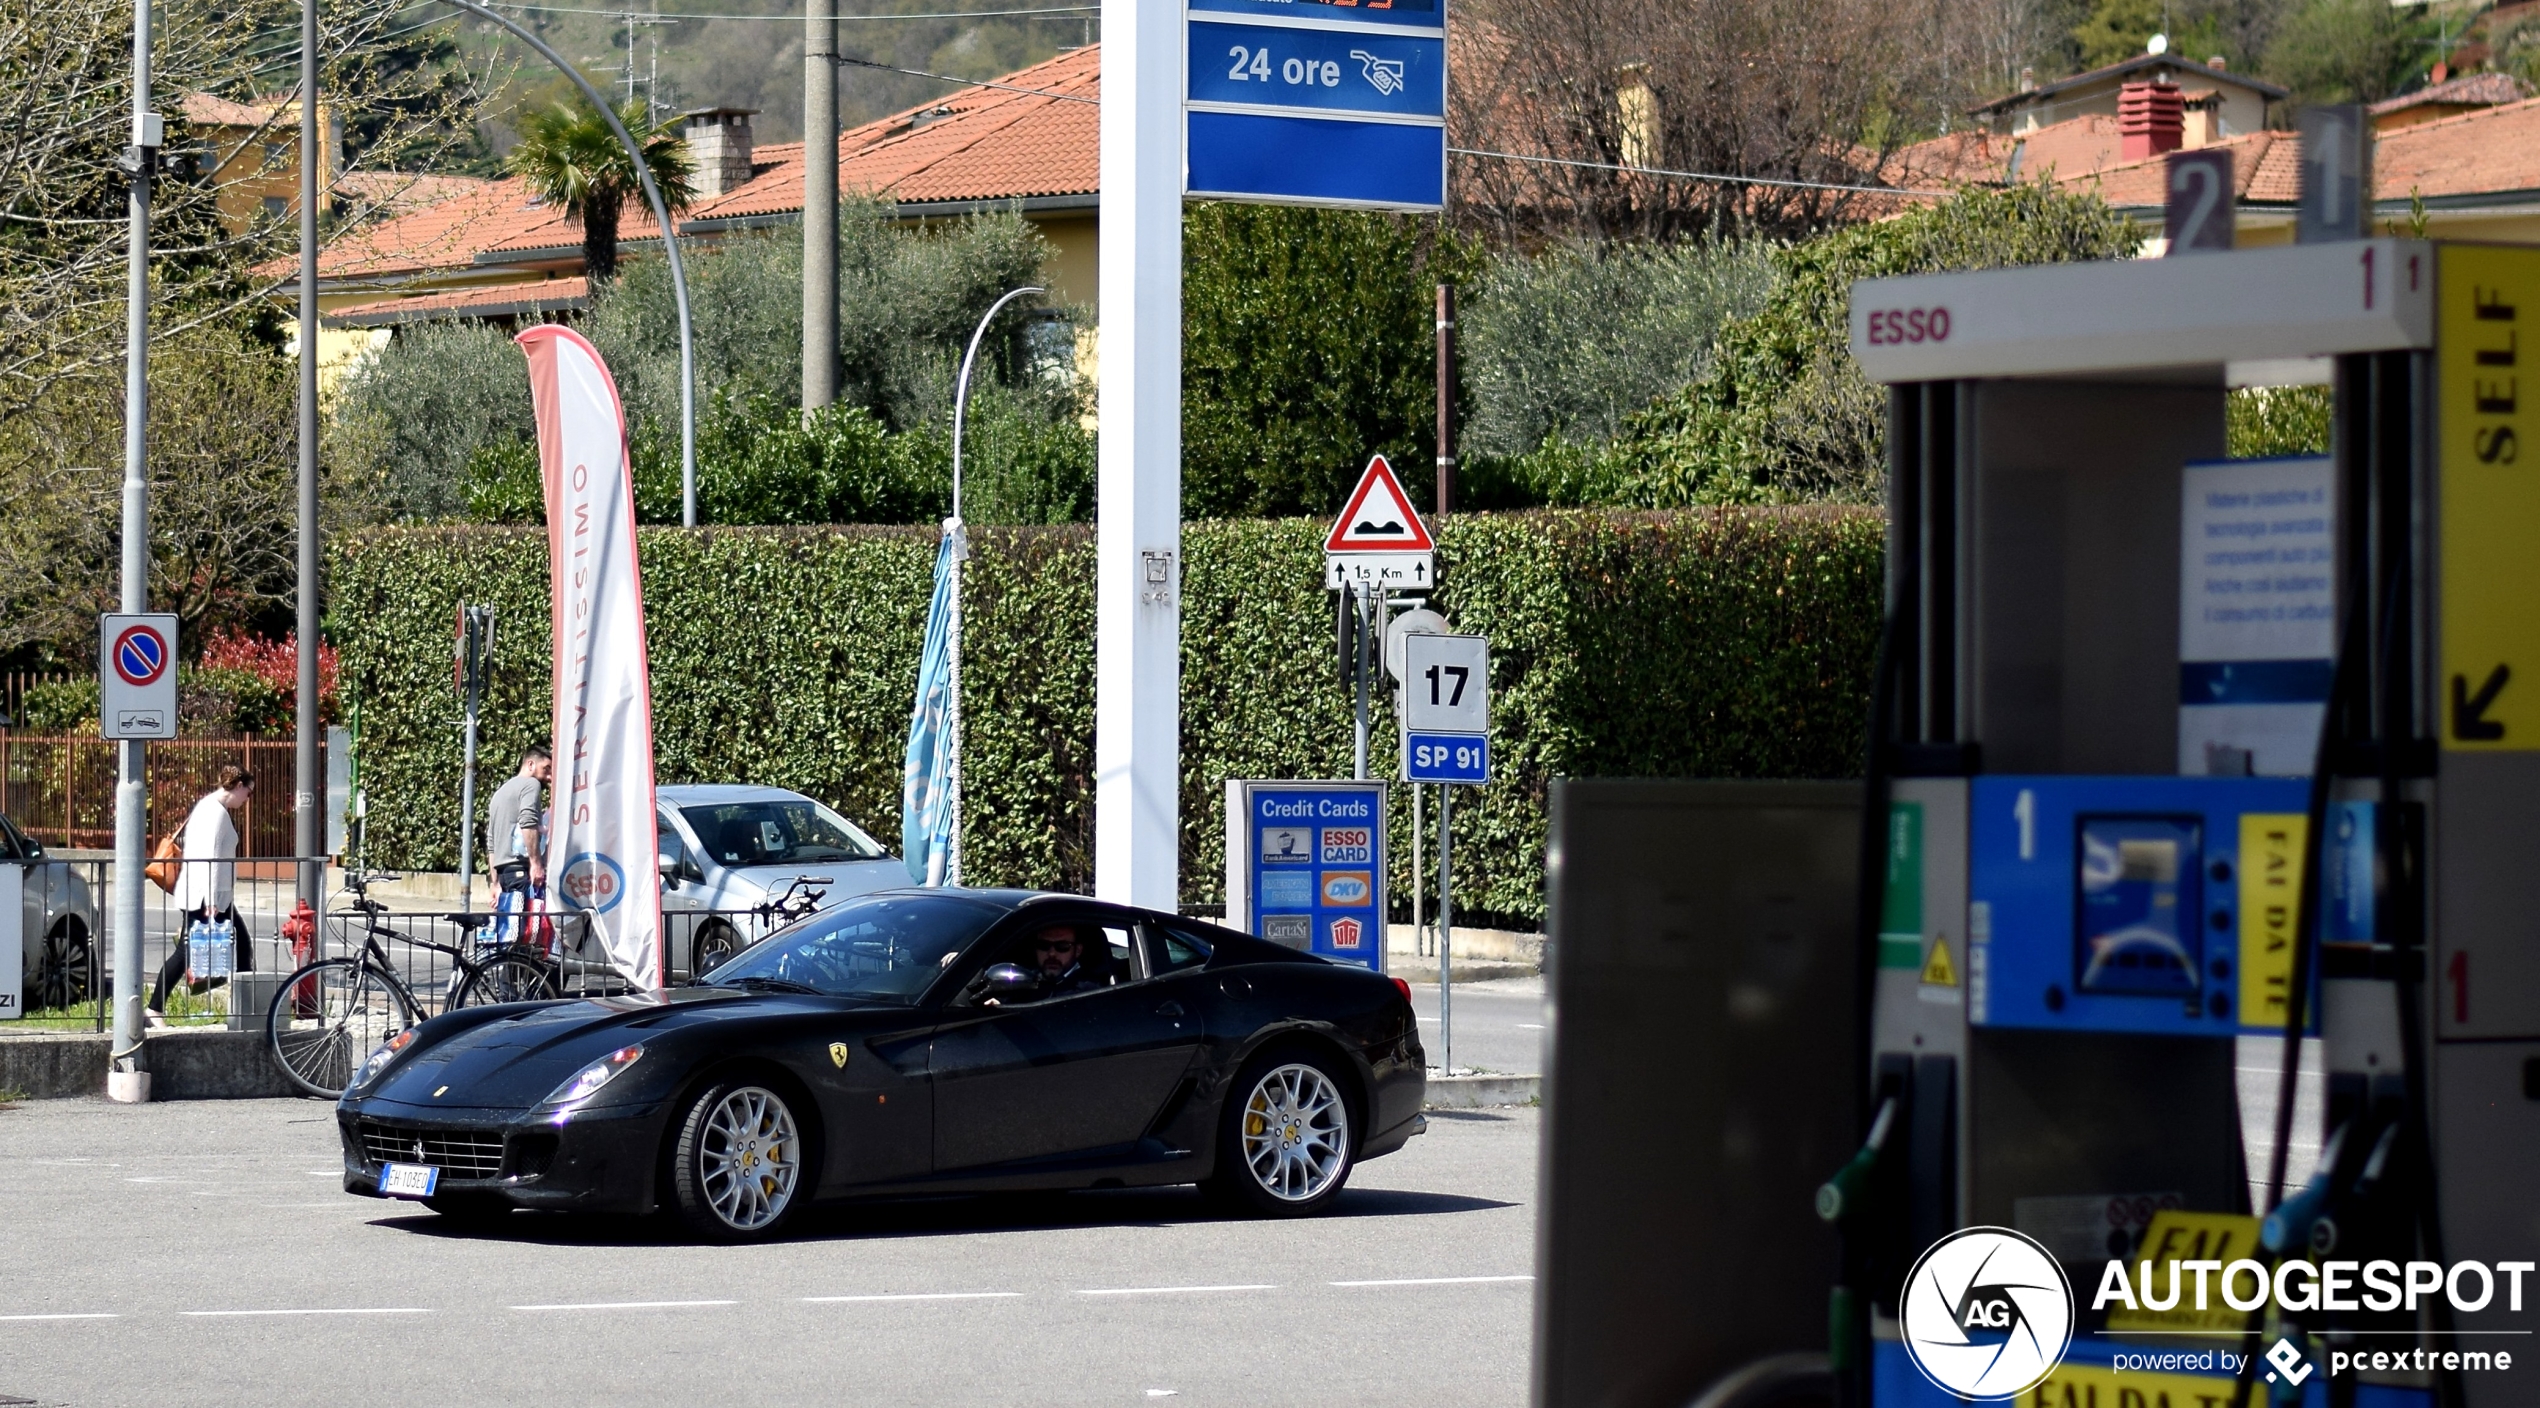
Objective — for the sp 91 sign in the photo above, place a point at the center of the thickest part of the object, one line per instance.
(1895, 326)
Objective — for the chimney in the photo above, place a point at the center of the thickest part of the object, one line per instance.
(2028, 80)
(2151, 119)
(719, 145)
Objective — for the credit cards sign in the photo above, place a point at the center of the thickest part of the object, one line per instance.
(1305, 866)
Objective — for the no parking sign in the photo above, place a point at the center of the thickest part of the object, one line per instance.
(136, 676)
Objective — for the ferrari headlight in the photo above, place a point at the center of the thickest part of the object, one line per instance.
(590, 1078)
(380, 1058)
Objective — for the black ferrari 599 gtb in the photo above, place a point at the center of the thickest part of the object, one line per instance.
(911, 1041)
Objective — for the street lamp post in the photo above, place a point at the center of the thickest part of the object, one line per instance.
(953, 527)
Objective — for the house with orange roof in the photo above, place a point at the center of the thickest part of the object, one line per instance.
(1027, 142)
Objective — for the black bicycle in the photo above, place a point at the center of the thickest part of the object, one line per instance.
(331, 1013)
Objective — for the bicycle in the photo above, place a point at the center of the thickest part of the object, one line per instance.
(331, 1013)
(717, 943)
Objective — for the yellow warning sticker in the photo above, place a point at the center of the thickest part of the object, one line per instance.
(2270, 856)
(2489, 427)
(2195, 1301)
(1938, 971)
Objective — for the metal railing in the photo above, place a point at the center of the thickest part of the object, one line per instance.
(70, 960)
(60, 788)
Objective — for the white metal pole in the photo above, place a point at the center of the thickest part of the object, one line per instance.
(308, 830)
(961, 554)
(1358, 670)
(131, 790)
(1138, 668)
(1419, 873)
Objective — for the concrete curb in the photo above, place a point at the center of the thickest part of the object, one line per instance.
(1419, 971)
(183, 1065)
(1477, 1092)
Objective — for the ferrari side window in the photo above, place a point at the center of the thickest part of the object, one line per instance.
(1175, 951)
(1117, 971)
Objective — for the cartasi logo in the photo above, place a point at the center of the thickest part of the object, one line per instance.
(1987, 1313)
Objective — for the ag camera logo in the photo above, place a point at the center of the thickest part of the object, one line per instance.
(1987, 1313)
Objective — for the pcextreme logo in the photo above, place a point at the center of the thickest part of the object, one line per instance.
(1987, 1313)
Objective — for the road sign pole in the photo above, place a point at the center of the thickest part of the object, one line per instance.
(131, 791)
(1138, 497)
(1446, 944)
(1358, 672)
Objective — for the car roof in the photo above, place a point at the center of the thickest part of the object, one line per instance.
(715, 794)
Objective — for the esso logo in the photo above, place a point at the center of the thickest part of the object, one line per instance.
(1890, 327)
(592, 882)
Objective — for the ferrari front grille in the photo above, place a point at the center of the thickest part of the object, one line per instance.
(460, 1153)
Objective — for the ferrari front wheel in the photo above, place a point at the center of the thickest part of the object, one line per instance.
(1285, 1141)
(738, 1164)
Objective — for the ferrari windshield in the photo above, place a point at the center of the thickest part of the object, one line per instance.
(793, 831)
(886, 947)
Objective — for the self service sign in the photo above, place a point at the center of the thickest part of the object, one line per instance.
(1305, 866)
(1316, 103)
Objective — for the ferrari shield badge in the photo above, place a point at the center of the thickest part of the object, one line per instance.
(838, 1054)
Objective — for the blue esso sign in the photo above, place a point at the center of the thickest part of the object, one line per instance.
(1305, 866)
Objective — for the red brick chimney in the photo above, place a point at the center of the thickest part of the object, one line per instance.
(2151, 119)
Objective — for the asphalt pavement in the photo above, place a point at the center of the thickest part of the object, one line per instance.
(1499, 1025)
(202, 1253)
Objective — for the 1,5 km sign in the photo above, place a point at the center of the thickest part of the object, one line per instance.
(136, 678)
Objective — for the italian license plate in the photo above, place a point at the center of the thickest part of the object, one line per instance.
(409, 1180)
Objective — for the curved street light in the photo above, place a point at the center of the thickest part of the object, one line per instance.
(669, 242)
(961, 553)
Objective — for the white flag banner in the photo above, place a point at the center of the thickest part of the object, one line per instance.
(602, 846)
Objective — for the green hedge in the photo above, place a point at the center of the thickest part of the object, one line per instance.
(1722, 643)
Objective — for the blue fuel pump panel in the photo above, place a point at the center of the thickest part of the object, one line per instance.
(1305, 866)
(2159, 905)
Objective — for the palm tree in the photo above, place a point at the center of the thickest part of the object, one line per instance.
(572, 159)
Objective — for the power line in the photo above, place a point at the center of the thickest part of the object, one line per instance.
(971, 82)
(1702, 175)
(842, 19)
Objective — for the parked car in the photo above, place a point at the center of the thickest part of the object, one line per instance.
(60, 918)
(738, 863)
(907, 1042)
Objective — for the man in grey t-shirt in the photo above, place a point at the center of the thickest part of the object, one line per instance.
(515, 842)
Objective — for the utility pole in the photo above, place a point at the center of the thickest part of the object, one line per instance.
(820, 203)
(125, 1079)
(1446, 397)
(307, 834)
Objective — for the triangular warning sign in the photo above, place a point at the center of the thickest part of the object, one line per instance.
(1937, 970)
(1379, 516)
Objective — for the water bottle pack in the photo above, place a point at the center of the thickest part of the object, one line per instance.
(211, 950)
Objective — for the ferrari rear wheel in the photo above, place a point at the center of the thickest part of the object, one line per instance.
(1285, 1144)
(738, 1169)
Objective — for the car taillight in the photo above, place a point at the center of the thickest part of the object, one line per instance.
(1402, 987)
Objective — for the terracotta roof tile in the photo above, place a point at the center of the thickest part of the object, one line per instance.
(204, 110)
(2489, 89)
(545, 294)
(2494, 149)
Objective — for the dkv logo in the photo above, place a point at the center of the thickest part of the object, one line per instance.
(1987, 1313)
(593, 882)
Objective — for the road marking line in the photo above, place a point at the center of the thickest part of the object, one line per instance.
(1170, 1290)
(346, 1310)
(90, 1315)
(917, 1295)
(630, 1305)
(1437, 1281)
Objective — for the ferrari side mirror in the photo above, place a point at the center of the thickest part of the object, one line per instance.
(1010, 980)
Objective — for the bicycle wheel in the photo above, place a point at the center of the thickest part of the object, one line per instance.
(509, 977)
(328, 1017)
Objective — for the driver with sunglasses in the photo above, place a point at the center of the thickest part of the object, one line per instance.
(1059, 952)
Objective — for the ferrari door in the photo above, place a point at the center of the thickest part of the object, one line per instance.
(1075, 1073)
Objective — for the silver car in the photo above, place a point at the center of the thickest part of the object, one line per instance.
(60, 915)
(735, 862)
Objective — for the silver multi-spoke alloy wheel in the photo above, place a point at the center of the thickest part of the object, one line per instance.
(749, 1158)
(1295, 1132)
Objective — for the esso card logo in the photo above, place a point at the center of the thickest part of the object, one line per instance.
(1895, 326)
(593, 882)
(1347, 933)
(1346, 889)
(1348, 845)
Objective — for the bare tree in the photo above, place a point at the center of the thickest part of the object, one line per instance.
(1797, 98)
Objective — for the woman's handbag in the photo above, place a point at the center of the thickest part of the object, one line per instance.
(168, 861)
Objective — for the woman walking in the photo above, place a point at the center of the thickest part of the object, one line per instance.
(207, 877)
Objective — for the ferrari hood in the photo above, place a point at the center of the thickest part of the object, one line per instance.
(515, 1060)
